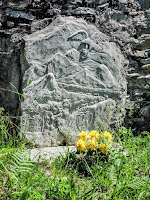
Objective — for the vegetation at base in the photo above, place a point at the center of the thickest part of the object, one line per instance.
(121, 173)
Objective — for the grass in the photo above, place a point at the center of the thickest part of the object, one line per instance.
(124, 174)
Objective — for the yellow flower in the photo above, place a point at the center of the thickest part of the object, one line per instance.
(92, 144)
(83, 135)
(81, 145)
(88, 137)
(102, 147)
(94, 134)
(108, 135)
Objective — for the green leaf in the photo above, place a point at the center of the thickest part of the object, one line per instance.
(25, 195)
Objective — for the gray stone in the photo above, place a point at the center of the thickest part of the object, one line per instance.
(83, 11)
(22, 5)
(145, 4)
(72, 81)
(141, 54)
(143, 41)
(38, 155)
(20, 14)
(145, 61)
(39, 24)
(10, 24)
(102, 6)
(141, 82)
(49, 153)
(146, 111)
(89, 1)
(145, 67)
(133, 75)
(53, 12)
(95, 1)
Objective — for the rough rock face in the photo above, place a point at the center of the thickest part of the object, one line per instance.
(73, 79)
(128, 24)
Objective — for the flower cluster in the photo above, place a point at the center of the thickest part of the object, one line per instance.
(93, 141)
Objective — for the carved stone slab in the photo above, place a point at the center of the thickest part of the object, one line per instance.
(73, 80)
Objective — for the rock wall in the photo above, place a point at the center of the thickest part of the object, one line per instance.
(125, 22)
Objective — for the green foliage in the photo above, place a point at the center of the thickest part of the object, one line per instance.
(8, 135)
(123, 174)
(25, 195)
(17, 92)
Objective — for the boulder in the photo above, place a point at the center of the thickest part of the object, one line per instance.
(73, 80)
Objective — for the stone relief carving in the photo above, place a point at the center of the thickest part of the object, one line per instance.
(72, 79)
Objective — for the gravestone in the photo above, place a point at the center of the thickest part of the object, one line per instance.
(73, 80)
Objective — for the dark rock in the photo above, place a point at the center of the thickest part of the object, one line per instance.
(102, 6)
(19, 14)
(83, 11)
(16, 5)
(145, 4)
(40, 4)
(9, 75)
(145, 61)
(21, 6)
(52, 12)
(10, 24)
(145, 67)
(143, 41)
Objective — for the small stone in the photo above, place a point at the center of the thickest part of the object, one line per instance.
(49, 153)
(53, 12)
(141, 54)
(21, 6)
(54, 1)
(83, 11)
(102, 6)
(145, 61)
(145, 111)
(10, 24)
(23, 15)
(10, 5)
(101, 1)
(146, 77)
(143, 41)
(123, 1)
(133, 75)
(79, 1)
(145, 67)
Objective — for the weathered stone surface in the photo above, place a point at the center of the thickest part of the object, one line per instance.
(10, 24)
(83, 11)
(145, 61)
(145, 67)
(72, 79)
(49, 153)
(144, 4)
(140, 54)
(38, 155)
(23, 15)
(40, 24)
